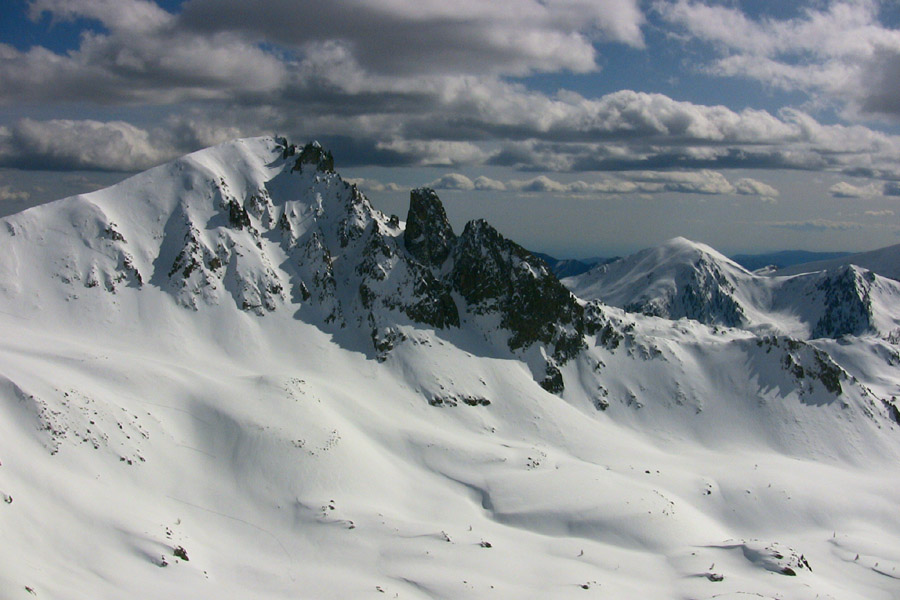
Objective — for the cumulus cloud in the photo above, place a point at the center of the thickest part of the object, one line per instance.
(435, 152)
(487, 184)
(269, 67)
(452, 181)
(86, 144)
(753, 187)
(373, 185)
(689, 182)
(879, 213)
(646, 182)
(843, 189)
(143, 55)
(839, 50)
(541, 183)
(631, 130)
(433, 36)
(255, 69)
(233, 50)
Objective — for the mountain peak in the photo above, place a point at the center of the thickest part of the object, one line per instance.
(428, 236)
(311, 154)
(270, 226)
(680, 278)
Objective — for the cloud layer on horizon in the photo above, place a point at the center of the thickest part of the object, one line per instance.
(704, 182)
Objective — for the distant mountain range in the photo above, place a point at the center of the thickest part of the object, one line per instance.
(783, 258)
(884, 261)
(567, 267)
(684, 279)
(752, 262)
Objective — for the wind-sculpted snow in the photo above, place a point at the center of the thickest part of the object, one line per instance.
(232, 377)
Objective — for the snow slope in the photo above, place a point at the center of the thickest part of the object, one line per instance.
(179, 419)
(678, 279)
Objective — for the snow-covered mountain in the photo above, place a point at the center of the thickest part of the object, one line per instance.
(678, 279)
(264, 225)
(231, 376)
(685, 279)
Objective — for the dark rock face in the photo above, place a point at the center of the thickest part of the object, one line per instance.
(238, 216)
(495, 274)
(553, 381)
(436, 306)
(428, 236)
(311, 154)
(848, 307)
(352, 268)
(708, 297)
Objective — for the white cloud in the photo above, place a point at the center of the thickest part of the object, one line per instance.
(142, 56)
(541, 183)
(753, 187)
(452, 181)
(85, 144)
(702, 181)
(646, 182)
(322, 79)
(432, 36)
(373, 185)
(840, 51)
(435, 152)
(487, 184)
(879, 213)
(843, 189)
(129, 15)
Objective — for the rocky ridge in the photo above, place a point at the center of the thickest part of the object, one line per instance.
(295, 234)
(268, 226)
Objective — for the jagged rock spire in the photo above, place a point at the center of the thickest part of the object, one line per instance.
(428, 236)
(493, 273)
(311, 154)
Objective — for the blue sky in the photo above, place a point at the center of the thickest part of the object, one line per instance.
(577, 127)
